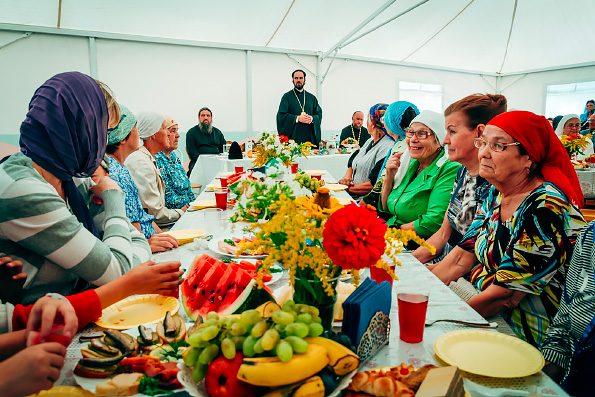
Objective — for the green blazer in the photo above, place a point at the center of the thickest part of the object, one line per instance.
(423, 198)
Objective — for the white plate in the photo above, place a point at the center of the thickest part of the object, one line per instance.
(91, 383)
(214, 246)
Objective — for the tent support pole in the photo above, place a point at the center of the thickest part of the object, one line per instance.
(299, 63)
(24, 36)
(249, 93)
(515, 80)
(383, 23)
(92, 58)
(319, 78)
(339, 44)
(487, 81)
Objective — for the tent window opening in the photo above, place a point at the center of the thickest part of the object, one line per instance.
(424, 96)
(563, 99)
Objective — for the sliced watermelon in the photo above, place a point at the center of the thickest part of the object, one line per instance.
(212, 285)
(212, 303)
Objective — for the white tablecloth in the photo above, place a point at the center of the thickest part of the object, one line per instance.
(586, 177)
(443, 303)
(208, 166)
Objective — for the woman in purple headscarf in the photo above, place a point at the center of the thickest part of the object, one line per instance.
(45, 192)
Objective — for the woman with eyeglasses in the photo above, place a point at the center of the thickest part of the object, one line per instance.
(419, 181)
(465, 120)
(519, 246)
(571, 125)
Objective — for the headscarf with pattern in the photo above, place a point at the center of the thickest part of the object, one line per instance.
(122, 130)
(394, 116)
(377, 114)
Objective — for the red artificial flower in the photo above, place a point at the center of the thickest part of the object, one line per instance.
(353, 237)
(283, 139)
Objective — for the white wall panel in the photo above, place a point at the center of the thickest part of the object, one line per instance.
(177, 80)
(27, 63)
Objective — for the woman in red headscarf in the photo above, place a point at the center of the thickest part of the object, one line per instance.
(519, 246)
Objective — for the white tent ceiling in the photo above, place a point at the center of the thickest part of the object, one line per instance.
(483, 36)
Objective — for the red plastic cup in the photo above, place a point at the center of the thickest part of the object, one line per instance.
(221, 198)
(294, 167)
(223, 182)
(379, 275)
(239, 169)
(319, 177)
(412, 315)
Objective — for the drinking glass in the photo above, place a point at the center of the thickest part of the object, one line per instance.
(221, 198)
(413, 304)
(213, 220)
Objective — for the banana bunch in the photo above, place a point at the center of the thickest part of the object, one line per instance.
(272, 372)
(311, 387)
(341, 359)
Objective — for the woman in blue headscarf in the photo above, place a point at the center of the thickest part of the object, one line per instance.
(589, 110)
(396, 119)
(45, 193)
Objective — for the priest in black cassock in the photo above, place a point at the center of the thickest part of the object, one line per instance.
(299, 114)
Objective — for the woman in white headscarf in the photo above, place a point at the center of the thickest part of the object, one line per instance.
(145, 173)
(570, 124)
(419, 182)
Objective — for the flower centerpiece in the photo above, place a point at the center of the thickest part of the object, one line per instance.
(575, 144)
(271, 146)
(318, 239)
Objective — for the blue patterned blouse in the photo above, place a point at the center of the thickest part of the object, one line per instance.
(134, 207)
(178, 191)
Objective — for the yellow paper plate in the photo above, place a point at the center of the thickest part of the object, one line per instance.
(335, 187)
(489, 353)
(136, 310)
(186, 235)
(214, 186)
(200, 204)
(226, 174)
(315, 172)
(64, 391)
(345, 201)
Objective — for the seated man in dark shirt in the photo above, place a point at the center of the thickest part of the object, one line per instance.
(355, 130)
(203, 138)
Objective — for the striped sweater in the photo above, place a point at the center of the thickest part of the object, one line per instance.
(37, 228)
(577, 306)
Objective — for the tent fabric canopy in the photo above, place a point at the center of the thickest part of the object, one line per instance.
(483, 36)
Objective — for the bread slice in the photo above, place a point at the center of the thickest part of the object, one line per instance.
(120, 385)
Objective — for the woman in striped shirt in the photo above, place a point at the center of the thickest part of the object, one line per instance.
(45, 194)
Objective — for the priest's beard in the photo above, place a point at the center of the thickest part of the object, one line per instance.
(298, 87)
(207, 127)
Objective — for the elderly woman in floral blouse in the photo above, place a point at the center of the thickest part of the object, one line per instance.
(178, 191)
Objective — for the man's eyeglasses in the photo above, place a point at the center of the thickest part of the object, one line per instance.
(422, 134)
(494, 146)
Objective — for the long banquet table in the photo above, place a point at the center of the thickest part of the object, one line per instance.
(443, 303)
(208, 166)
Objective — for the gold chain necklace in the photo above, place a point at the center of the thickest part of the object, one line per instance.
(298, 99)
(353, 133)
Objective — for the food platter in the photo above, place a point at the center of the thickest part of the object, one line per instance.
(64, 391)
(136, 310)
(315, 172)
(510, 357)
(89, 384)
(214, 246)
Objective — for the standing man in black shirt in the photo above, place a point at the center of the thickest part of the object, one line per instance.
(299, 114)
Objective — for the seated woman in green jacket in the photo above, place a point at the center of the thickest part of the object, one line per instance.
(419, 181)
